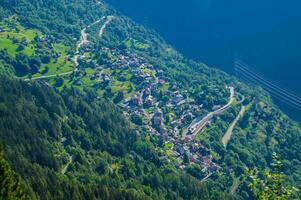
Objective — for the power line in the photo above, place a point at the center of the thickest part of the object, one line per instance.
(278, 94)
(268, 85)
(243, 77)
(246, 67)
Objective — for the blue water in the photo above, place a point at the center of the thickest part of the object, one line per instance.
(266, 34)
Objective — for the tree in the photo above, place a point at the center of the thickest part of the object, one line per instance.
(45, 59)
(119, 96)
(59, 81)
(108, 93)
(186, 158)
(271, 186)
(20, 47)
(10, 187)
(45, 70)
(161, 141)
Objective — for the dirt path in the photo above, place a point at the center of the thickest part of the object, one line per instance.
(83, 40)
(226, 138)
(84, 36)
(96, 22)
(101, 31)
(235, 186)
(64, 169)
(207, 177)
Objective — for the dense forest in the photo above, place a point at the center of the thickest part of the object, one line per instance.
(67, 137)
(42, 130)
(9, 181)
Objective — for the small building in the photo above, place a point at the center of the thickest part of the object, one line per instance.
(148, 102)
(78, 82)
(135, 101)
(216, 107)
(177, 98)
(157, 120)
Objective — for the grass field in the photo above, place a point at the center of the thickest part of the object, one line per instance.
(136, 44)
(13, 35)
(9, 45)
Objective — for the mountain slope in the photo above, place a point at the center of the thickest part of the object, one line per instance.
(83, 137)
(40, 130)
(9, 181)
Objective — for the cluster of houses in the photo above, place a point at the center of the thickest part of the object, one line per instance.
(147, 109)
(197, 154)
(138, 105)
(47, 40)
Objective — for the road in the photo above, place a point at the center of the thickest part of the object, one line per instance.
(49, 76)
(200, 125)
(226, 138)
(83, 40)
(84, 36)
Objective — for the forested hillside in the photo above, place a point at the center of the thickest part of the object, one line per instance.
(93, 105)
(76, 146)
(9, 181)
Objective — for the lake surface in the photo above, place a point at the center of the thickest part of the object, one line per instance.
(266, 34)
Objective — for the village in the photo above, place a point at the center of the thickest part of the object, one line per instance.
(157, 105)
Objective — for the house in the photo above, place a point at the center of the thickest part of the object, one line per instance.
(174, 124)
(204, 151)
(98, 69)
(135, 101)
(63, 139)
(157, 119)
(148, 102)
(180, 149)
(136, 118)
(159, 73)
(93, 77)
(177, 98)
(105, 78)
(78, 82)
(187, 117)
(146, 93)
(174, 87)
(165, 158)
(216, 107)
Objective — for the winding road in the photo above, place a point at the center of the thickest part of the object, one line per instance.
(200, 125)
(83, 40)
